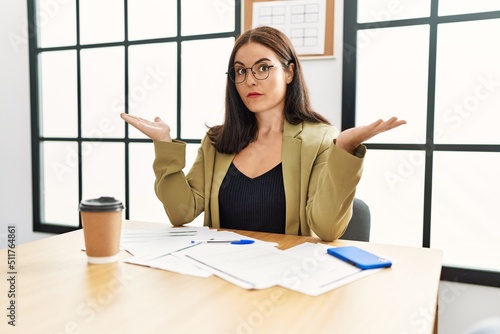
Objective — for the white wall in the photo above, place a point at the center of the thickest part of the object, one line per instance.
(15, 130)
(461, 304)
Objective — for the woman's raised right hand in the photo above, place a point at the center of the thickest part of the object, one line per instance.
(157, 130)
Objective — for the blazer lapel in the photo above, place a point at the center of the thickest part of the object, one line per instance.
(221, 165)
(291, 175)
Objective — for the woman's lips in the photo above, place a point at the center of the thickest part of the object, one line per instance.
(253, 94)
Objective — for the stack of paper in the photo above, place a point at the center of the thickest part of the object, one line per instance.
(306, 268)
(156, 248)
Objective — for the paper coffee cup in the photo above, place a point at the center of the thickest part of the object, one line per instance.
(101, 221)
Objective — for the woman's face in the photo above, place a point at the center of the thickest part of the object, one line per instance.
(266, 95)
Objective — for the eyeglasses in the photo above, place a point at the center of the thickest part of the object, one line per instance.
(260, 71)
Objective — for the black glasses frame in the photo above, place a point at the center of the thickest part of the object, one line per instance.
(230, 73)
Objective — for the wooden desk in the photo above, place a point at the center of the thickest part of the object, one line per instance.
(58, 292)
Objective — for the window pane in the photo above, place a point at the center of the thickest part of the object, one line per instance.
(102, 92)
(82, 91)
(465, 209)
(144, 205)
(58, 94)
(101, 21)
(153, 84)
(468, 99)
(452, 7)
(103, 170)
(149, 19)
(207, 17)
(393, 187)
(57, 23)
(201, 103)
(392, 80)
(60, 183)
(389, 10)
(191, 154)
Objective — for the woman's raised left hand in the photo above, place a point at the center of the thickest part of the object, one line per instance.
(350, 139)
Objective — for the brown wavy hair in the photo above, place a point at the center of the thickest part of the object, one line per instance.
(240, 125)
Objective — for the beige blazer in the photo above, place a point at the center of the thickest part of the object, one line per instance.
(320, 180)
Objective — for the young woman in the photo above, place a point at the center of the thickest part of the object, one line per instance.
(274, 165)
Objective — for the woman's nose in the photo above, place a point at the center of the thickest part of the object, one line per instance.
(250, 79)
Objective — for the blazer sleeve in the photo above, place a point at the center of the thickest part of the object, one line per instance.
(181, 195)
(334, 177)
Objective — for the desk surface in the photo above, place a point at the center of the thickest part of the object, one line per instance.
(58, 292)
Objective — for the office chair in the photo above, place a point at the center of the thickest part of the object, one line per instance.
(359, 225)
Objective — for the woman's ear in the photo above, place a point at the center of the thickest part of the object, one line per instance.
(290, 70)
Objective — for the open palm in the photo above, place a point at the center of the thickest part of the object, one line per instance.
(351, 138)
(156, 130)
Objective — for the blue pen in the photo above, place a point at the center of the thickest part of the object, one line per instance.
(233, 242)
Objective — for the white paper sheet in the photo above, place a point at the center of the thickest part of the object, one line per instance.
(162, 240)
(306, 268)
(316, 272)
(171, 263)
(150, 250)
(248, 266)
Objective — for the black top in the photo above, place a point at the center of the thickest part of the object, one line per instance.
(256, 204)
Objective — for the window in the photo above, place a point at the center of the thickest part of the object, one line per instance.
(91, 60)
(432, 182)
